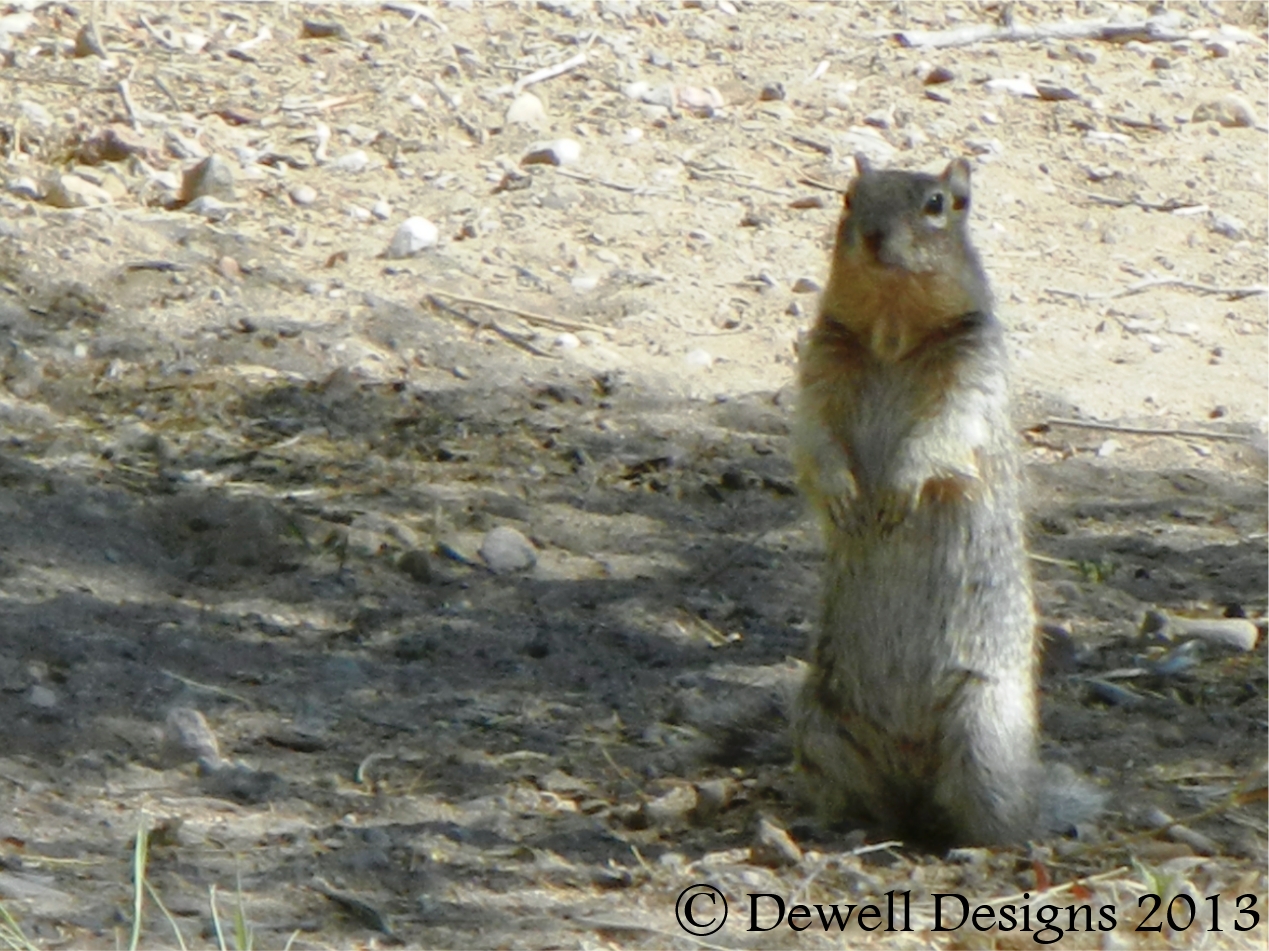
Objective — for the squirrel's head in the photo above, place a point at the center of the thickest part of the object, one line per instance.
(907, 220)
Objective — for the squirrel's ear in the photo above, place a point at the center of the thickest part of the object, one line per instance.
(956, 178)
(862, 165)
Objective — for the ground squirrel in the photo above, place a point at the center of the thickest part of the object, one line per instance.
(919, 714)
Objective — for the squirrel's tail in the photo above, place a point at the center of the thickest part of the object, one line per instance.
(1065, 800)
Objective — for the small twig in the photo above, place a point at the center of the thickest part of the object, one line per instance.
(632, 189)
(507, 335)
(162, 40)
(555, 323)
(816, 183)
(1235, 293)
(1144, 430)
(1153, 30)
(1172, 204)
(166, 90)
(210, 688)
(133, 119)
(820, 147)
(547, 72)
(475, 131)
(416, 12)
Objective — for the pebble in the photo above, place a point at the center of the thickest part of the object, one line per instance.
(1236, 633)
(704, 103)
(412, 236)
(71, 191)
(213, 177)
(1227, 226)
(186, 736)
(559, 152)
(670, 809)
(772, 92)
(631, 136)
(698, 359)
(209, 207)
(931, 75)
(1233, 112)
(417, 564)
(1014, 86)
(303, 194)
(381, 210)
(1053, 93)
(506, 550)
(773, 847)
(567, 341)
(355, 161)
(42, 697)
(25, 187)
(806, 285)
(527, 110)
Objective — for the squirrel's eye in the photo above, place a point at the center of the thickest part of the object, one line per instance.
(934, 204)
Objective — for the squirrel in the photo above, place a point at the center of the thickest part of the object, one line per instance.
(919, 716)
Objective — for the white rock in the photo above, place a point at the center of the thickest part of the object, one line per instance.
(71, 191)
(381, 210)
(34, 113)
(585, 282)
(25, 187)
(358, 214)
(526, 110)
(505, 550)
(412, 236)
(213, 209)
(631, 136)
(303, 194)
(567, 341)
(1228, 226)
(354, 161)
(1015, 86)
(698, 359)
(559, 152)
(40, 696)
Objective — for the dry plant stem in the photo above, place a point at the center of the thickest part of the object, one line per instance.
(555, 323)
(1152, 30)
(548, 72)
(1144, 430)
(416, 12)
(126, 96)
(473, 130)
(631, 189)
(159, 37)
(507, 335)
(1251, 290)
(1172, 204)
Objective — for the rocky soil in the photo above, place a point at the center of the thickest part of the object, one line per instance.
(398, 521)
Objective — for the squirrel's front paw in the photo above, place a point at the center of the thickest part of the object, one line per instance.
(893, 504)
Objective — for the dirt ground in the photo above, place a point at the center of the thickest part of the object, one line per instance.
(251, 462)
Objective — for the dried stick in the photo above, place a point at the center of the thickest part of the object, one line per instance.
(548, 72)
(505, 334)
(632, 189)
(1172, 204)
(154, 32)
(1144, 430)
(555, 323)
(1156, 29)
(124, 94)
(1236, 293)
(416, 12)
(475, 131)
